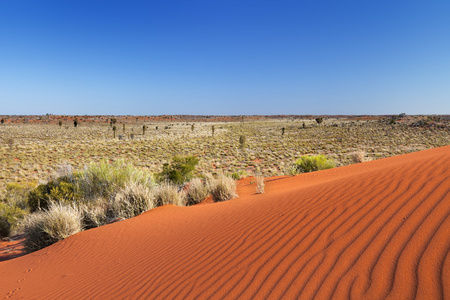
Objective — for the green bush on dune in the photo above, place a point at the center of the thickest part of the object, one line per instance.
(60, 190)
(104, 179)
(311, 163)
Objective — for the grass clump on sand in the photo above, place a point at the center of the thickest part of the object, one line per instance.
(130, 201)
(9, 218)
(223, 188)
(168, 193)
(311, 163)
(101, 180)
(47, 227)
(197, 191)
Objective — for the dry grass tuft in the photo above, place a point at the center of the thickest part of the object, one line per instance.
(223, 188)
(167, 193)
(260, 184)
(47, 227)
(359, 156)
(198, 190)
(130, 201)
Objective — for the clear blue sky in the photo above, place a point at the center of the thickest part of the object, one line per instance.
(224, 57)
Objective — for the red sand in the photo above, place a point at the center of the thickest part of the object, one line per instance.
(374, 230)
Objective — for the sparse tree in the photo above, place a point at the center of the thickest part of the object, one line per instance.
(114, 130)
(192, 127)
(319, 120)
(2, 121)
(60, 123)
(143, 129)
(123, 128)
(242, 142)
(75, 122)
(282, 130)
(156, 128)
(212, 130)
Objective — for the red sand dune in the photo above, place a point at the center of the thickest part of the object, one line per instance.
(374, 230)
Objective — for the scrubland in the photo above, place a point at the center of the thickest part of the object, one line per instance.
(35, 152)
(106, 168)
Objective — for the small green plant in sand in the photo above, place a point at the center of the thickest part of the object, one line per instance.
(311, 163)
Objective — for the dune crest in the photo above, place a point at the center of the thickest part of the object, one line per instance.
(374, 230)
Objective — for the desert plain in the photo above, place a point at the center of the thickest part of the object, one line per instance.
(377, 226)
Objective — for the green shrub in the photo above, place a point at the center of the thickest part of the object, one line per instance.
(239, 175)
(60, 190)
(10, 216)
(17, 194)
(308, 163)
(179, 171)
(223, 188)
(43, 228)
(104, 179)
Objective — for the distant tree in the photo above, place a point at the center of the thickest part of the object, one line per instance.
(212, 129)
(113, 121)
(192, 127)
(114, 131)
(123, 128)
(319, 120)
(282, 130)
(60, 123)
(242, 142)
(75, 122)
(143, 129)
(156, 128)
(2, 121)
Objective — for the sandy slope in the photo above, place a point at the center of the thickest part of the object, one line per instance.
(368, 231)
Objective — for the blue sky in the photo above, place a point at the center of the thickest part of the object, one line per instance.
(224, 57)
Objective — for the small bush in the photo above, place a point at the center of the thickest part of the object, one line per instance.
(10, 216)
(104, 179)
(242, 142)
(167, 193)
(239, 175)
(43, 228)
(131, 201)
(309, 163)
(358, 156)
(5, 228)
(260, 184)
(92, 215)
(179, 171)
(223, 188)
(17, 194)
(197, 191)
(60, 190)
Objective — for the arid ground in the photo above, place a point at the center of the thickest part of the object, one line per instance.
(374, 230)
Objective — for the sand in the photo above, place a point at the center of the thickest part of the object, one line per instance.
(373, 230)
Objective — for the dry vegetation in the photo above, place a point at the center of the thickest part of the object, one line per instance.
(97, 175)
(34, 152)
